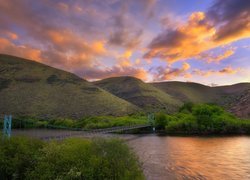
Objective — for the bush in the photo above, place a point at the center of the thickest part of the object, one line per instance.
(24, 158)
(160, 121)
(204, 119)
(17, 155)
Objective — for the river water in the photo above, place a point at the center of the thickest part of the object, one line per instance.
(167, 157)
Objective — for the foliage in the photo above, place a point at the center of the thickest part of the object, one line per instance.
(203, 119)
(23, 158)
(95, 122)
(160, 120)
(17, 155)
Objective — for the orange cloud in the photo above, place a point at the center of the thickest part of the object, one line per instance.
(188, 40)
(98, 47)
(7, 47)
(210, 57)
(12, 35)
(225, 71)
(224, 23)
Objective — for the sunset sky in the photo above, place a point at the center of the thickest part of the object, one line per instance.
(204, 41)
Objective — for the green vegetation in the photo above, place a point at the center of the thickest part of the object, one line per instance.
(87, 123)
(24, 158)
(202, 119)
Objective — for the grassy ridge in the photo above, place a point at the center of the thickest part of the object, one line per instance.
(24, 158)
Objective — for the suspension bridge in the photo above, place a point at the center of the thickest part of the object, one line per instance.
(51, 132)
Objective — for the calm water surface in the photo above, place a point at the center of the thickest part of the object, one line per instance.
(194, 157)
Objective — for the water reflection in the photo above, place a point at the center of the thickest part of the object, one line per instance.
(194, 157)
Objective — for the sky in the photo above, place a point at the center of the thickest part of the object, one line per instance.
(204, 41)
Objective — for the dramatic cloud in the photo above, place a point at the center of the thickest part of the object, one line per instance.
(225, 22)
(186, 41)
(233, 19)
(97, 39)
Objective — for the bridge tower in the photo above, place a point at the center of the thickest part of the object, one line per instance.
(7, 125)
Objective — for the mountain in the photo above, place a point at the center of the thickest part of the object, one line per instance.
(31, 88)
(140, 94)
(235, 98)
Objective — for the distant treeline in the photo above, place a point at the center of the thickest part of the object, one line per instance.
(201, 119)
(87, 123)
(25, 158)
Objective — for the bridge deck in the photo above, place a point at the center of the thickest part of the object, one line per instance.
(91, 133)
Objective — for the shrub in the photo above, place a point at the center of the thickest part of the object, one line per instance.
(160, 120)
(24, 158)
(17, 155)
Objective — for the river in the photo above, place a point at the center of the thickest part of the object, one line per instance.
(167, 157)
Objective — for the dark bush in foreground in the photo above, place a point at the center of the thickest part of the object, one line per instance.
(17, 155)
(22, 158)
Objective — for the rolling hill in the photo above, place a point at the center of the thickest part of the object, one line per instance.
(33, 89)
(140, 94)
(29, 88)
(235, 98)
(187, 91)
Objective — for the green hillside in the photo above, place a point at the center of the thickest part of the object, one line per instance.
(139, 93)
(34, 89)
(187, 91)
(235, 98)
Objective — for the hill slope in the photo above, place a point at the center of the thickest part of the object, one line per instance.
(31, 88)
(187, 91)
(235, 98)
(139, 93)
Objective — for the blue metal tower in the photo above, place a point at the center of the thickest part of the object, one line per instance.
(7, 125)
